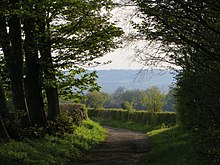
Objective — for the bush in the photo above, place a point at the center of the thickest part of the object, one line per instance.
(77, 111)
(61, 125)
(16, 130)
(71, 115)
(142, 117)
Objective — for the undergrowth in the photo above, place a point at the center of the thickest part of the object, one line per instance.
(52, 150)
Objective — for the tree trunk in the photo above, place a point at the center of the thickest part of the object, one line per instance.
(33, 89)
(3, 110)
(3, 132)
(48, 69)
(53, 102)
(14, 62)
(51, 89)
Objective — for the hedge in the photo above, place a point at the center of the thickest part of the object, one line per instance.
(142, 117)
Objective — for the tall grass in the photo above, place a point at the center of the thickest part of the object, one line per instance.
(52, 150)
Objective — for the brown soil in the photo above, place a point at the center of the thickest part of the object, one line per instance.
(120, 147)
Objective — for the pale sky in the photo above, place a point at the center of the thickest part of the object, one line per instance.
(125, 58)
(121, 58)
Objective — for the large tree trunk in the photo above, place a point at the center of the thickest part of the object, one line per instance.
(33, 89)
(14, 62)
(48, 69)
(53, 102)
(51, 89)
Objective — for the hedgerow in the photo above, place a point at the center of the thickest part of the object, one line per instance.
(143, 117)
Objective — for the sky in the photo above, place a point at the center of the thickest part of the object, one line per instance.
(126, 57)
(121, 58)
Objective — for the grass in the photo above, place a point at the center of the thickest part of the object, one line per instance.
(126, 125)
(169, 146)
(52, 150)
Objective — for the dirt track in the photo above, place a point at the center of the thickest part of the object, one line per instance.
(120, 147)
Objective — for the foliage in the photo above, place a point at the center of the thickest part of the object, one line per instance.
(153, 99)
(97, 99)
(128, 107)
(184, 31)
(142, 117)
(74, 82)
(71, 116)
(40, 41)
(134, 97)
(52, 150)
(17, 131)
(170, 101)
(197, 111)
(187, 33)
(139, 99)
(77, 111)
(62, 124)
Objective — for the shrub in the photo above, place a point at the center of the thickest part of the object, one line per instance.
(16, 129)
(61, 125)
(77, 111)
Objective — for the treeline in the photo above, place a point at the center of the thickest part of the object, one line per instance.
(152, 99)
(38, 40)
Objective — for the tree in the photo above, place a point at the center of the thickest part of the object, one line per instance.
(13, 51)
(117, 96)
(33, 71)
(52, 36)
(134, 97)
(97, 99)
(185, 31)
(170, 101)
(127, 106)
(85, 35)
(153, 99)
(3, 110)
(188, 35)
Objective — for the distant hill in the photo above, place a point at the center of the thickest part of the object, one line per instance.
(110, 80)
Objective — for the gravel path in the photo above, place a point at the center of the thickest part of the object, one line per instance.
(120, 147)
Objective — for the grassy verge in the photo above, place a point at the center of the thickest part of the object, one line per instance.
(52, 150)
(169, 146)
